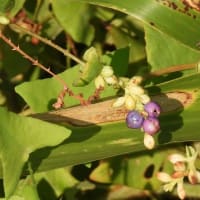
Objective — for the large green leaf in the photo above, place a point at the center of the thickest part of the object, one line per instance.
(17, 6)
(170, 21)
(164, 51)
(110, 139)
(123, 39)
(74, 18)
(126, 170)
(19, 136)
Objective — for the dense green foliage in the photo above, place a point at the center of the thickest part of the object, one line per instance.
(45, 160)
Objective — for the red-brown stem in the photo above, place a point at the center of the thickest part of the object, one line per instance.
(96, 95)
(36, 63)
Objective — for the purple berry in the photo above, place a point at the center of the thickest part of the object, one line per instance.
(152, 108)
(134, 119)
(151, 125)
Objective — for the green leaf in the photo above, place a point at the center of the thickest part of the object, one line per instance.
(91, 69)
(123, 39)
(33, 92)
(6, 5)
(142, 167)
(17, 6)
(119, 62)
(19, 136)
(182, 27)
(59, 179)
(74, 18)
(110, 139)
(164, 51)
(118, 59)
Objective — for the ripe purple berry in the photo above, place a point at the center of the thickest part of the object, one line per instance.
(151, 125)
(134, 119)
(152, 108)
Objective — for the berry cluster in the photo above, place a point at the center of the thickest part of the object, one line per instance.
(143, 113)
(147, 121)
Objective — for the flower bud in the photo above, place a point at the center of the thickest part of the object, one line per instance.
(112, 80)
(136, 90)
(129, 102)
(149, 142)
(119, 102)
(136, 80)
(145, 98)
(107, 71)
(99, 82)
(123, 81)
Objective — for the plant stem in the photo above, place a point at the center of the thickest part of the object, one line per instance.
(33, 61)
(50, 43)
